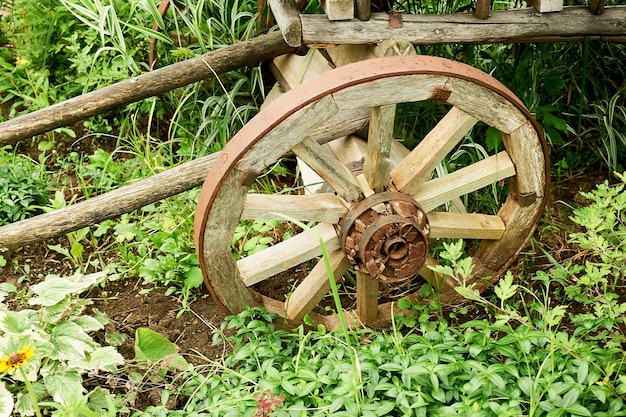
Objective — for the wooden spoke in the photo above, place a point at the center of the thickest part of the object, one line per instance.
(287, 254)
(329, 168)
(434, 193)
(409, 174)
(465, 226)
(366, 298)
(456, 205)
(316, 285)
(323, 207)
(368, 191)
(377, 167)
(365, 185)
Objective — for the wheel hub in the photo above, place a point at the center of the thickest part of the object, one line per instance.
(386, 236)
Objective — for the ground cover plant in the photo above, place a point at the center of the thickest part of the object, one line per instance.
(549, 339)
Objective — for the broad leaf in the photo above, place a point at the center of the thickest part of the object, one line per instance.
(6, 401)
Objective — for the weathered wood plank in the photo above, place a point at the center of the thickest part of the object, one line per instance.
(417, 167)
(485, 105)
(547, 6)
(287, 254)
(323, 207)
(345, 54)
(345, 122)
(365, 186)
(328, 168)
(106, 206)
(366, 298)
(229, 288)
(216, 261)
(465, 226)
(377, 165)
(292, 70)
(349, 53)
(287, 16)
(224, 216)
(434, 193)
(528, 155)
(404, 88)
(143, 86)
(507, 26)
(287, 134)
(338, 9)
(315, 286)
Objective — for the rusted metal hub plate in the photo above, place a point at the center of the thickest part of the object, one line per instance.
(386, 236)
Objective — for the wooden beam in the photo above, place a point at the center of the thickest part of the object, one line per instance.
(106, 206)
(546, 6)
(366, 298)
(287, 254)
(510, 26)
(324, 207)
(316, 285)
(329, 168)
(377, 166)
(338, 9)
(483, 7)
(465, 226)
(287, 16)
(115, 203)
(434, 193)
(417, 167)
(146, 85)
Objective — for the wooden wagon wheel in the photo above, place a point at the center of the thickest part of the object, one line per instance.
(385, 220)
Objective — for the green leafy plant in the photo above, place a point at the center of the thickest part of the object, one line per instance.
(50, 348)
(254, 236)
(153, 348)
(479, 369)
(23, 187)
(595, 283)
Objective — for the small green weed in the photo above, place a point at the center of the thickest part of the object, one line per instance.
(23, 187)
(254, 236)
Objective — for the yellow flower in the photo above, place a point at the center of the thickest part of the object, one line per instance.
(14, 360)
(21, 62)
